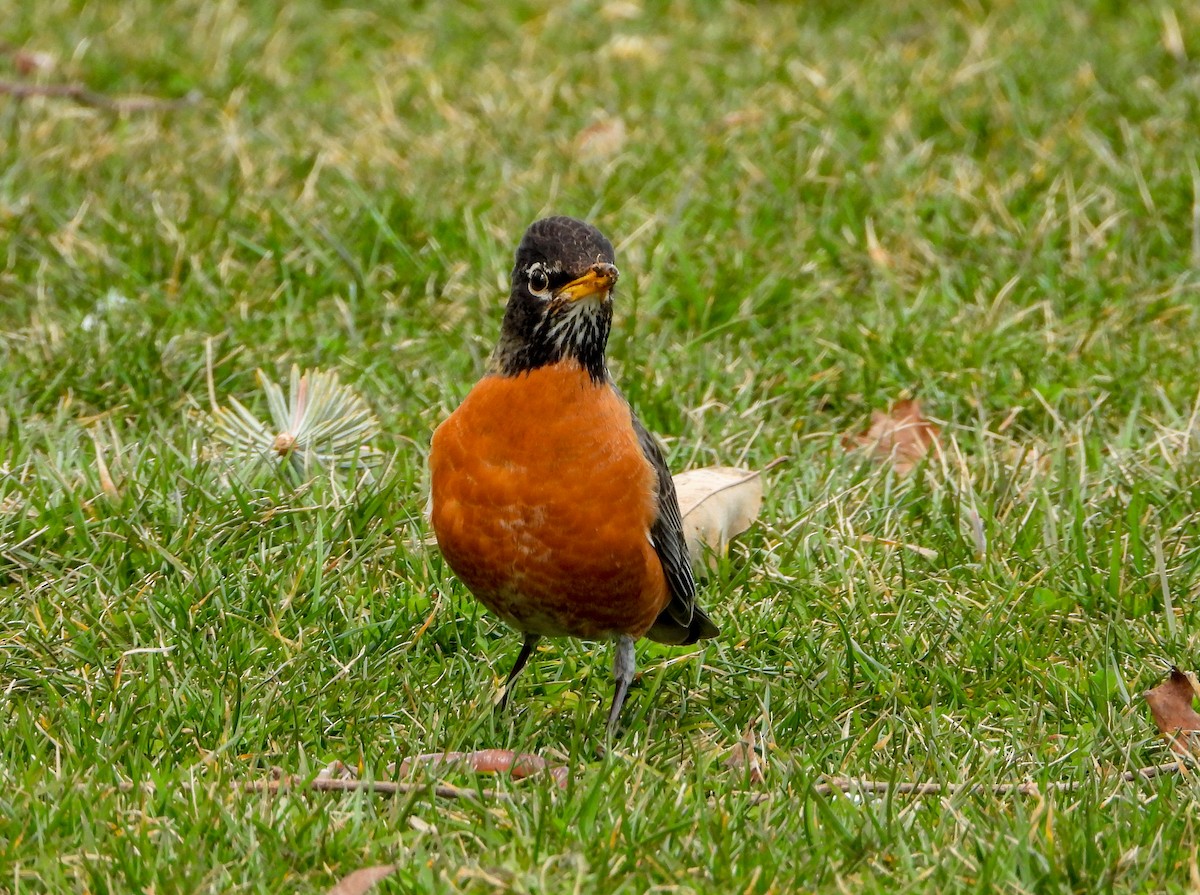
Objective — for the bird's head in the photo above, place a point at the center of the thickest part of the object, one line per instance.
(560, 306)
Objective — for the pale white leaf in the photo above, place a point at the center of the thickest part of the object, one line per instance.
(718, 503)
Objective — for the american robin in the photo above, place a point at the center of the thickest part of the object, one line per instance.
(551, 501)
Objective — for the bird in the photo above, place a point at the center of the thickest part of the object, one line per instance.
(550, 500)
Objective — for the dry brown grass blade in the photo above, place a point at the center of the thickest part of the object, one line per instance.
(107, 485)
(902, 436)
(1174, 715)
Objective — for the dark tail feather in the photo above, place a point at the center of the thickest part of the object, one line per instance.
(667, 629)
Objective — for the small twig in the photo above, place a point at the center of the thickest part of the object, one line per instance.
(334, 784)
(850, 784)
(826, 787)
(375, 787)
(87, 97)
(778, 461)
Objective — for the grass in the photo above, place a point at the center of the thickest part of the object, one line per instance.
(818, 209)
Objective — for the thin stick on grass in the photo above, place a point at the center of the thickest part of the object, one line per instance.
(1030, 788)
(374, 787)
(824, 788)
(332, 784)
(88, 97)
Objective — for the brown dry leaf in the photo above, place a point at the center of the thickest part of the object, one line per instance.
(489, 761)
(744, 757)
(601, 140)
(361, 880)
(903, 436)
(718, 503)
(1171, 706)
(27, 62)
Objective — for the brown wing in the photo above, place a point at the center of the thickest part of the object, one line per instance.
(682, 621)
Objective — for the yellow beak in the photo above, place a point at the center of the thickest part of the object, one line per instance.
(600, 278)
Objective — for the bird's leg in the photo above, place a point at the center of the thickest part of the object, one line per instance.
(531, 641)
(624, 662)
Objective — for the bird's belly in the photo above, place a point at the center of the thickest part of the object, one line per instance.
(542, 505)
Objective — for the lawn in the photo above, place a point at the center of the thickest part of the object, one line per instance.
(819, 209)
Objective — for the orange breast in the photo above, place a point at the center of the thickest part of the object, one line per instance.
(543, 502)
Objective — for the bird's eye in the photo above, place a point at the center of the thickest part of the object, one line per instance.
(538, 281)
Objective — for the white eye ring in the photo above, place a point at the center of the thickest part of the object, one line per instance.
(539, 283)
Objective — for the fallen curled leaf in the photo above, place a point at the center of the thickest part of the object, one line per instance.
(361, 880)
(488, 761)
(1171, 707)
(718, 503)
(744, 757)
(902, 435)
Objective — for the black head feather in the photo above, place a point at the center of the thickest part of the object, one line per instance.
(542, 323)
